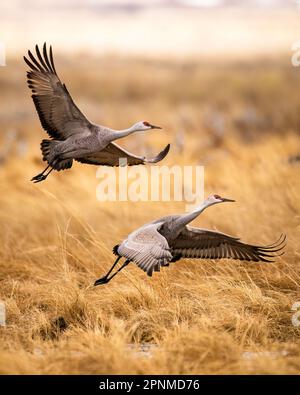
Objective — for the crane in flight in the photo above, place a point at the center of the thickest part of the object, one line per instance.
(170, 238)
(73, 136)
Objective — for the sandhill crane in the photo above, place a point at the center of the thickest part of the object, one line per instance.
(73, 135)
(169, 239)
(179, 141)
(294, 159)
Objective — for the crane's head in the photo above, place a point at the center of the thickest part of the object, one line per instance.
(144, 125)
(213, 199)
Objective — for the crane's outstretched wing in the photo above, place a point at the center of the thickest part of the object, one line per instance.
(147, 248)
(58, 114)
(110, 156)
(205, 244)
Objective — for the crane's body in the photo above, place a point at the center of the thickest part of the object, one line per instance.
(73, 136)
(170, 238)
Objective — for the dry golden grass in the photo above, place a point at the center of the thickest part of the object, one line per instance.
(56, 238)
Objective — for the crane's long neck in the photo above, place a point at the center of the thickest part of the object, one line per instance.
(185, 219)
(118, 134)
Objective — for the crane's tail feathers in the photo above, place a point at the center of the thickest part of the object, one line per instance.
(160, 156)
(50, 157)
(63, 164)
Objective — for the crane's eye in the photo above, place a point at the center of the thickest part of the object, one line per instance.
(146, 123)
(217, 197)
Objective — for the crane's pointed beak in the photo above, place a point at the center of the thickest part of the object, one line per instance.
(155, 127)
(227, 200)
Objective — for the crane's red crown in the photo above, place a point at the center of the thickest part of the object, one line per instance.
(217, 197)
(146, 123)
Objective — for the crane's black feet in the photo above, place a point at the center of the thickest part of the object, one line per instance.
(102, 280)
(38, 178)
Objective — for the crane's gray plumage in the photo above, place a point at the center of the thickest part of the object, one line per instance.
(73, 136)
(170, 238)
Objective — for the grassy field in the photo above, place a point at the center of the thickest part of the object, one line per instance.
(241, 120)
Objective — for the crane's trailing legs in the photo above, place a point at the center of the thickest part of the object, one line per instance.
(41, 176)
(105, 279)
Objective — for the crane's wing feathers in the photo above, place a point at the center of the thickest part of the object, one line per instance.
(111, 155)
(58, 113)
(200, 243)
(147, 248)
